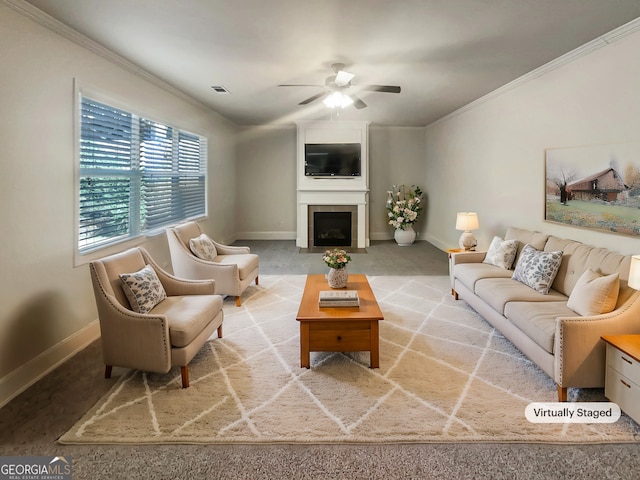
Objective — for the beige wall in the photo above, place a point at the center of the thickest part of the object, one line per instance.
(490, 158)
(266, 206)
(396, 157)
(44, 300)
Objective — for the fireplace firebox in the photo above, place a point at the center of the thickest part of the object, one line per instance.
(332, 229)
(333, 225)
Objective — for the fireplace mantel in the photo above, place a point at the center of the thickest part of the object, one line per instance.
(314, 191)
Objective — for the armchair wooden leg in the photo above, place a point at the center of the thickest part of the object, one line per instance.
(107, 371)
(220, 331)
(455, 294)
(256, 280)
(184, 371)
(238, 303)
(562, 394)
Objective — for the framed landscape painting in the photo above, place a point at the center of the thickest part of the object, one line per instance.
(595, 187)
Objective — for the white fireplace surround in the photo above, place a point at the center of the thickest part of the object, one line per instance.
(315, 192)
(314, 202)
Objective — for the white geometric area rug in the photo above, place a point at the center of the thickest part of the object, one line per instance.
(445, 376)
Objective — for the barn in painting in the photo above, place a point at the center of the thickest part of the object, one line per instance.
(605, 185)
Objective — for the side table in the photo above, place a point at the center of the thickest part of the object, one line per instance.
(622, 377)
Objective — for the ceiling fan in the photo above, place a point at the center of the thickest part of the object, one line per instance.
(336, 87)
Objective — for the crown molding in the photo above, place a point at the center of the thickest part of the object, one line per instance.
(56, 26)
(600, 42)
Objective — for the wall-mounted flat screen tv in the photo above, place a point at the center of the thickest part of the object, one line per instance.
(332, 159)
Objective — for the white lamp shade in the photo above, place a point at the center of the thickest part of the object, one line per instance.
(467, 221)
(634, 272)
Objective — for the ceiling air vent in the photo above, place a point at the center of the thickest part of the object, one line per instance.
(220, 89)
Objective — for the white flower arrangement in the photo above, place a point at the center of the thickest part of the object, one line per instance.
(404, 206)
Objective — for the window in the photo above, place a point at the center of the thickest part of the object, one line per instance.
(136, 175)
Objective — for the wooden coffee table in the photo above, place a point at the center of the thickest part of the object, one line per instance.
(339, 329)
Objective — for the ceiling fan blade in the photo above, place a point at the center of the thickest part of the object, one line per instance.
(357, 103)
(380, 88)
(343, 78)
(299, 85)
(314, 98)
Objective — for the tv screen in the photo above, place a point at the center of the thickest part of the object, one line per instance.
(332, 160)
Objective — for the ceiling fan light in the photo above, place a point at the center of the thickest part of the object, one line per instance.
(338, 100)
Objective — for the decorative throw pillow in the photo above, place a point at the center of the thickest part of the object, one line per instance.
(501, 253)
(203, 247)
(537, 269)
(143, 289)
(594, 293)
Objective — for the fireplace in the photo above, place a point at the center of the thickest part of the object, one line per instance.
(332, 225)
(332, 193)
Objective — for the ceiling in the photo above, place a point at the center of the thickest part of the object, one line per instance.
(443, 53)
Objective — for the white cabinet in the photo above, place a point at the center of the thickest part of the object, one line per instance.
(622, 381)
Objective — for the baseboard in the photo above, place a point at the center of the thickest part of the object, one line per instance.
(436, 242)
(20, 379)
(381, 235)
(266, 235)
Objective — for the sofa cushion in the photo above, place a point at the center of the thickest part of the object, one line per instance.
(578, 257)
(539, 323)
(143, 289)
(501, 253)
(498, 292)
(537, 269)
(594, 294)
(537, 240)
(189, 315)
(203, 247)
(247, 262)
(469, 273)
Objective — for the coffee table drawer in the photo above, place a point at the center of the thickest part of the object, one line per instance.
(332, 340)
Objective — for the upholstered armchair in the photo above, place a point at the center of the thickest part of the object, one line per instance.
(149, 319)
(232, 267)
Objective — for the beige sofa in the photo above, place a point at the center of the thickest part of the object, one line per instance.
(564, 344)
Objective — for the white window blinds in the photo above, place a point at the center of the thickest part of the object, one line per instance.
(136, 175)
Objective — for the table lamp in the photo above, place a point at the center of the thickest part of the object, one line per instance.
(467, 221)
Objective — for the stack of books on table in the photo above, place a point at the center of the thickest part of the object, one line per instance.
(339, 298)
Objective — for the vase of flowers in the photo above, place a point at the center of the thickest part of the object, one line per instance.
(404, 206)
(337, 260)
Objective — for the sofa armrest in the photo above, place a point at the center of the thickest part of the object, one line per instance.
(466, 257)
(579, 349)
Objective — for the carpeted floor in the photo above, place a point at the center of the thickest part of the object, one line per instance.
(445, 376)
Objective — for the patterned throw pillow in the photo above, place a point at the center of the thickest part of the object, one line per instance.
(143, 289)
(501, 253)
(203, 247)
(594, 294)
(537, 269)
